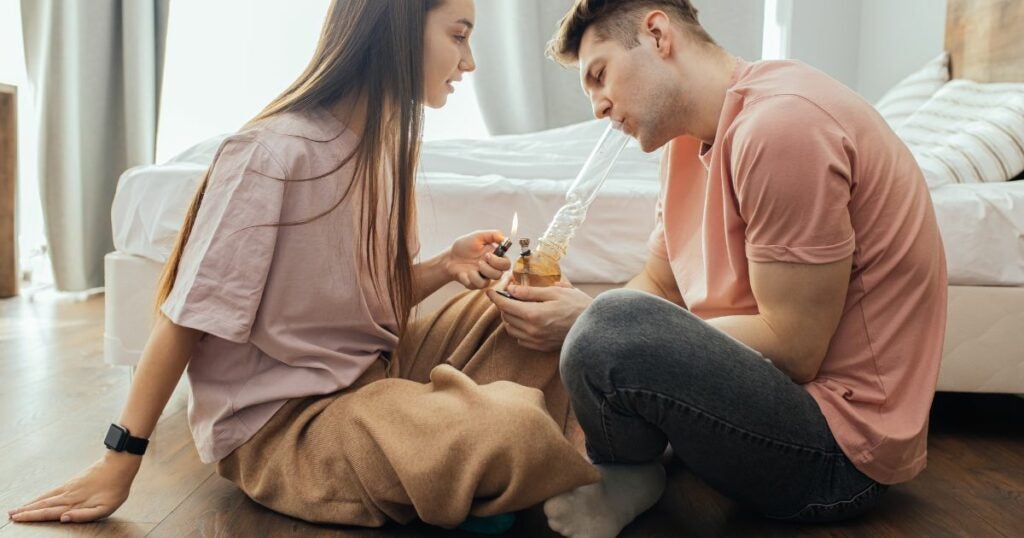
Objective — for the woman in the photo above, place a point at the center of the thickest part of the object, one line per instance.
(292, 278)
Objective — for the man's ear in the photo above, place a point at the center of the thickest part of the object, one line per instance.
(658, 26)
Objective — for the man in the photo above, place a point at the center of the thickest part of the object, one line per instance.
(786, 333)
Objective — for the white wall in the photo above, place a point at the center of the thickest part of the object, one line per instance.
(826, 35)
(226, 60)
(868, 45)
(895, 39)
(736, 25)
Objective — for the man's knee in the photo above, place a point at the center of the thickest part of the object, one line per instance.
(624, 325)
(605, 333)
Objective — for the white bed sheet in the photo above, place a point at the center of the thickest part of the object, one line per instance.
(468, 185)
(982, 227)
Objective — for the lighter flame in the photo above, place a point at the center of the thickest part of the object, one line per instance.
(515, 225)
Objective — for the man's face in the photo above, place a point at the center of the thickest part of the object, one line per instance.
(635, 87)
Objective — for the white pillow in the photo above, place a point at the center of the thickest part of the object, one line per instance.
(969, 132)
(911, 93)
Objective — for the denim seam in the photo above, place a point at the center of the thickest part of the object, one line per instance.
(606, 431)
(731, 425)
(852, 500)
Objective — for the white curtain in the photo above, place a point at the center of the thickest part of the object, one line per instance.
(520, 90)
(95, 68)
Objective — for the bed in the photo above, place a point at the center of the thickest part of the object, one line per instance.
(463, 186)
(467, 185)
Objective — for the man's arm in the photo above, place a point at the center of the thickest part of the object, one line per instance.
(799, 306)
(657, 279)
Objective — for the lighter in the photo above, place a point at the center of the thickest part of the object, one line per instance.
(507, 243)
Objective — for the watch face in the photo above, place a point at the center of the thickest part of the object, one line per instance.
(116, 438)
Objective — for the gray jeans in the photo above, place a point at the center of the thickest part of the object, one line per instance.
(643, 372)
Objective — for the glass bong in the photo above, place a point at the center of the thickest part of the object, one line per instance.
(540, 267)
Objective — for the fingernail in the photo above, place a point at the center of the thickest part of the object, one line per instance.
(65, 518)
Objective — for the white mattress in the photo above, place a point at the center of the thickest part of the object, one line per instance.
(469, 185)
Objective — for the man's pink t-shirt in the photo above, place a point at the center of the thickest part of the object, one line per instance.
(288, 311)
(803, 170)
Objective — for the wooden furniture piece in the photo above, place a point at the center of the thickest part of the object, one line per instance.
(983, 38)
(8, 190)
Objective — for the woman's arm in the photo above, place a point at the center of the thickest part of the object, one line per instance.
(429, 276)
(103, 487)
(163, 361)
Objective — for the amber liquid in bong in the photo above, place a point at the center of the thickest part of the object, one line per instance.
(539, 269)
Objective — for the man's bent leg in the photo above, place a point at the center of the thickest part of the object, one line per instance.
(641, 370)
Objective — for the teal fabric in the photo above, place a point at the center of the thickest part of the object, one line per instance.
(499, 524)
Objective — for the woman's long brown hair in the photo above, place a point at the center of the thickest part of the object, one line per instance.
(370, 50)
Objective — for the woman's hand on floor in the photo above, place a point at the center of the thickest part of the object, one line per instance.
(95, 493)
(471, 261)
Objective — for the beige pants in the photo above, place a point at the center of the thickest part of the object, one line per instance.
(455, 426)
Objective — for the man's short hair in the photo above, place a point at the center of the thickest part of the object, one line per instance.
(617, 19)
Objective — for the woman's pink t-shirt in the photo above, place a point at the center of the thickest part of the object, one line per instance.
(288, 311)
(803, 170)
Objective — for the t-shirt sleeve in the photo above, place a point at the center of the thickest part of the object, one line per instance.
(656, 242)
(224, 266)
(791, 172)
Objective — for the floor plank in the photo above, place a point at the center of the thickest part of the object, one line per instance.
(170, 472)
(46, 439)
(105, 529)
(57, 397)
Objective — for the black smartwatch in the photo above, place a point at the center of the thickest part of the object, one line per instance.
(120, 440)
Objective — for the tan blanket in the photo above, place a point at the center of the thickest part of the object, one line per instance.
(453, 426)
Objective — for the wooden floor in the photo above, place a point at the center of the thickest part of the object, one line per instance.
(57, 398)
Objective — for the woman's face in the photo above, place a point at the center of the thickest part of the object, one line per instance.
(446, 51)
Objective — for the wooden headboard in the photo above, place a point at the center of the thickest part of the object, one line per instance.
(985, 39)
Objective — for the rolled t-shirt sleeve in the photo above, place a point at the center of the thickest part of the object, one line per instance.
(792, 180)
(224, 265)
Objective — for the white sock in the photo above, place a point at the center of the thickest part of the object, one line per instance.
(603, 509)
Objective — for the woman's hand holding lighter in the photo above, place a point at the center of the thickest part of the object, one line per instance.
(471, 260)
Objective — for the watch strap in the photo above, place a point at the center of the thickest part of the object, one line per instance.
(136, 445)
